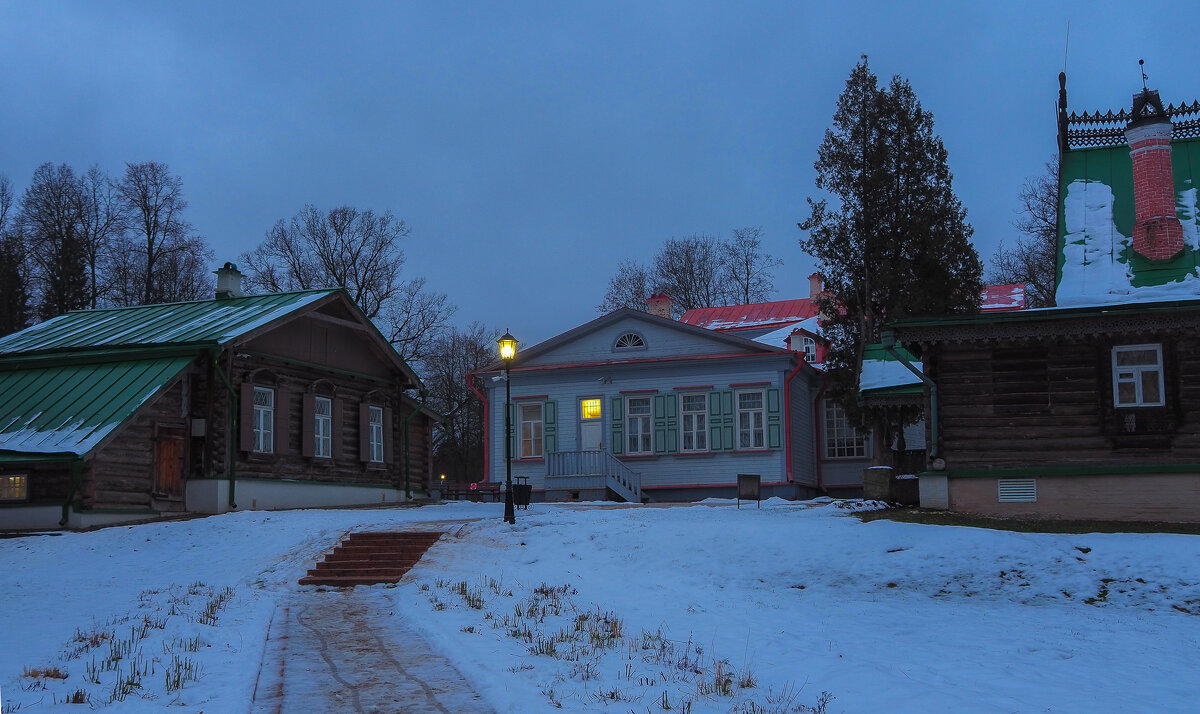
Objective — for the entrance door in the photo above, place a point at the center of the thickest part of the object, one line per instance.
(591, 425)
(168, 472)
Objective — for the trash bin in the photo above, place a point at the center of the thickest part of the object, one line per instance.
(521, 494)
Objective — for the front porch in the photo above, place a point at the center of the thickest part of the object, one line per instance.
(590, 475)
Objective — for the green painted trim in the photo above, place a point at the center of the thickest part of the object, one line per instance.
(1053, 471)
(314, 365)
(75, 356)
(1051, 314)
(29, 457)
(117, 511)
(294, 482)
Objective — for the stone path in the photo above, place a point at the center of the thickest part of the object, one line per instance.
(348, 650)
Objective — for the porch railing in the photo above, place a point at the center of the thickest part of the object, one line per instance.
(594, 467)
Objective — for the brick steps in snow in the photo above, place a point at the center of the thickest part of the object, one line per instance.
(370, 559)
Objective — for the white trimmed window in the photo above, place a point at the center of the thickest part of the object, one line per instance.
(638, 415)
(694, 421)
(14, 488)
(376, 419)
(630, 341)
(751, 415)
(323, 427)
(264, 420)
(810, 349)
(531, 429)
(842, 441)
(1138, 376)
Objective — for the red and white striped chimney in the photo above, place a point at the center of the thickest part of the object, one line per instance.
(1157, 233)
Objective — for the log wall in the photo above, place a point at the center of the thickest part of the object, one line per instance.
(1046, 402)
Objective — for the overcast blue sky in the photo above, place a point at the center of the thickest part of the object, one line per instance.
(532, 146)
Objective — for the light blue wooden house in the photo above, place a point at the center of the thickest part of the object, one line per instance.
(642, 407)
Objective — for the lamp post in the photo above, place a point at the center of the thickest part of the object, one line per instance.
(508, 350)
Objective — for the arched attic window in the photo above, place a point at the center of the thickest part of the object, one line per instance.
(629, 341)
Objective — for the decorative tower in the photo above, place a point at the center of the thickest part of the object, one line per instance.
(1157, 233)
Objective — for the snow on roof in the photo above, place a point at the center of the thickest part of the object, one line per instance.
(41, 411)
(1095, 269)
(762, 314)
(880, 369)
(216, 321)
(998, 298)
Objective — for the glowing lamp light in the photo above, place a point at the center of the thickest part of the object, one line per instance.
(508, 347)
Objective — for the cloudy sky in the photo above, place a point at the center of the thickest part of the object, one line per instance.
(532, 146)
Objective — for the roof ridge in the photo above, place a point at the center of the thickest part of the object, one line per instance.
(94, 310)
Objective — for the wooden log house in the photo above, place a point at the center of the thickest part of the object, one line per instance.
(283, 400)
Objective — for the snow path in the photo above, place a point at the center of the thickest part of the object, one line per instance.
(327, 652)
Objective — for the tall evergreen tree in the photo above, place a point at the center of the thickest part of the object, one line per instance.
(14, 288)
(50, 222)
(896, 242)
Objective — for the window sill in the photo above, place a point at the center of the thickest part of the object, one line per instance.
(763, 450)
(845, 458)
(697, 453)
(530, 460)
(262, 458)
(640, 456)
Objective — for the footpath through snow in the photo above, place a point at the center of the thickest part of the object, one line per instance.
(612, 609)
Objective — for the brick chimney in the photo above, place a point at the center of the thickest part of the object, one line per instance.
(659, 304)
(1157, 233)
(229, 282)
(815, 286)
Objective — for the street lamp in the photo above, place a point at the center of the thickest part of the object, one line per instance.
(508, 351)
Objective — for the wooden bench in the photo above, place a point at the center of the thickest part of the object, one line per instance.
(464, 492)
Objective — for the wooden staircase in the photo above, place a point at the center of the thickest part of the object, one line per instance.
(371, 558)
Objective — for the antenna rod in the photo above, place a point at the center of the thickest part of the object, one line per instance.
(1142, 68)
(1066, 45)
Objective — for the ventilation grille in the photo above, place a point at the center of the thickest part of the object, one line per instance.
(1017, 490)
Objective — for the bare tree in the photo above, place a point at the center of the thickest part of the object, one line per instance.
(102, 222)
(154, 198)
(14, 287)
(748, 267)
(415, 318)
(359, 251)
(50, 221)
(692, 270)
(1034, 259)
(630, 287)
(449, 361)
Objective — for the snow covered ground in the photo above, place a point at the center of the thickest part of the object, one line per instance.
(630, 609)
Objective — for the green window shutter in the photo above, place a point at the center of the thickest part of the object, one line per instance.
(720, 421)
(617, 425)
(549, 427)
(774, 420)
(666, 424)
(513, 441)
(672, 411)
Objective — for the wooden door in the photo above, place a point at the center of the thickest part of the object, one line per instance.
(168, 474)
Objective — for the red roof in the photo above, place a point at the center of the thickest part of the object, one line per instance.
(757, 315)
(1003, 298)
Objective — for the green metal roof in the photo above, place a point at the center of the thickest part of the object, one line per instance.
(211, 322)
(41, 411)
(1048, 314)
(882, 374)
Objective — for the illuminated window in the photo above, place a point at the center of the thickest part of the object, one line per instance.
(694, 413)
(323, 427)
(14, 488)
(1137, 376)
(589, 409)
(264, 420)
